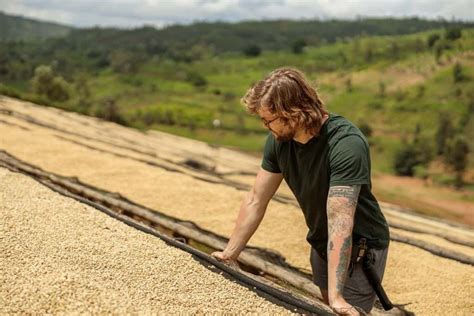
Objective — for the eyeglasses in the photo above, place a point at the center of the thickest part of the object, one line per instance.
(267, 123)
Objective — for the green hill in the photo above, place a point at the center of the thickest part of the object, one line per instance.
(17, 28)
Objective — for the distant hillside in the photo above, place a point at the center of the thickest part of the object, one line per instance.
(97, 48)
(190, 42)
(16, 28)
(280, 34)
(215, 37)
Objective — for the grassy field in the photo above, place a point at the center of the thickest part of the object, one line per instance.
(417, 89)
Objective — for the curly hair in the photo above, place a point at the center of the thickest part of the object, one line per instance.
(287, 93)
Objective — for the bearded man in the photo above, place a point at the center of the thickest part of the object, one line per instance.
(325, 160)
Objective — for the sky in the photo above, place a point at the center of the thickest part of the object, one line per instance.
(159, 13)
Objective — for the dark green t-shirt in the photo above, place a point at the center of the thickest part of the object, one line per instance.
(338, 156)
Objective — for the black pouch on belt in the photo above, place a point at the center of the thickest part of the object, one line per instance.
(367, 256)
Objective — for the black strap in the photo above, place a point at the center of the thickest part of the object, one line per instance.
(362, 254)
(374, 280)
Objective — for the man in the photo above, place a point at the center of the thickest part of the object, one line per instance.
(325, 161)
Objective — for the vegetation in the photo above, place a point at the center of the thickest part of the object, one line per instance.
(183, 78)
(413, 158)
(46, 83)
(456, 157)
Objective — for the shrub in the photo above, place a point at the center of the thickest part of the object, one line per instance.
(453, 33)
(298, 46)
(410, 156)
(11, 92)
(252, 50)
(405, 161)
(365, 129)
(196, 79)
(456, 156)
(54, 87)
(109, 111)
(59, 90)
(349, 85)
(444, 132)
(432, 39)
(458, 73)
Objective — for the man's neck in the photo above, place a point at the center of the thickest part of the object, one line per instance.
(302, 136)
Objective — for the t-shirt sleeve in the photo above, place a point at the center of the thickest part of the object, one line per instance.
(269, 161)
(349, 162)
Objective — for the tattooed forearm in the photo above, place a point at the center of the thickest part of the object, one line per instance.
(344, 258)
(342, 201)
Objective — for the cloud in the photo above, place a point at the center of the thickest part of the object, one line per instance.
(132, 13)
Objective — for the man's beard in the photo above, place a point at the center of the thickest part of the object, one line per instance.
(289, 135)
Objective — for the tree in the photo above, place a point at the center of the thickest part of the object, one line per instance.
(349, 85)
(42, 79)
(365, 129)
(468, 115)
(444, 133)
(109, 111)
(83, 91)
(410, 156)
(453, 33)
(457, 157)
(405, 160)
(423, 147)
(59, 89)
(458, 73)
(298, 46)
(438, 52)
(432, 39)
(45, 82)
(252, 50)
(196, 79)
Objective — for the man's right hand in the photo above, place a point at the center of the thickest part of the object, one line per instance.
(223, 257)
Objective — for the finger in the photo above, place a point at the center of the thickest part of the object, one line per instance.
(216, 254)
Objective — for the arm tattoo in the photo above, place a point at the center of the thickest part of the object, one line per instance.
(351, 193)
(341, 206)
(344, 258)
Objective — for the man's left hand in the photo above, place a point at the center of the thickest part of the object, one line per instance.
(341, 307)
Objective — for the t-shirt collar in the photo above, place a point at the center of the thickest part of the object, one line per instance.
(322, 131)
